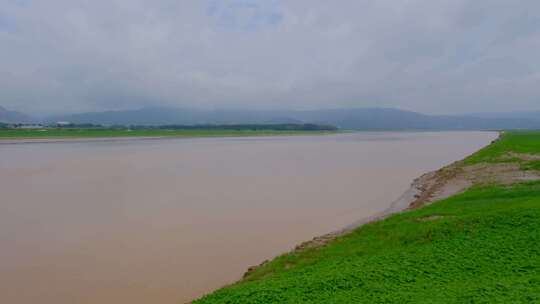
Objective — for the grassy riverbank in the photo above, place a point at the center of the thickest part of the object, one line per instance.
(111, 133)
(481, 246)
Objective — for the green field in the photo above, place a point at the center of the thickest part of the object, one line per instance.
(105, 133)
(518, 142)
(482, 246)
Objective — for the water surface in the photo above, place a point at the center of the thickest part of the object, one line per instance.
(164, 221)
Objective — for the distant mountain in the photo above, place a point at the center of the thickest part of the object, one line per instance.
(13, 117)
(357, 119)
(393, 119)
(169, 116)
(509, 115)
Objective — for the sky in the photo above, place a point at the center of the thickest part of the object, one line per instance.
(431, 56)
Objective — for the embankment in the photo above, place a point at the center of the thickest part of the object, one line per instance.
(474, 239)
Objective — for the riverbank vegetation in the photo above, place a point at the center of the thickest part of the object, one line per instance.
(480, 246)
(91, 131)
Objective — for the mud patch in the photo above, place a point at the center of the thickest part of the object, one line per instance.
(457, 178)
(430, 218)
(520, 156)
(499, 173)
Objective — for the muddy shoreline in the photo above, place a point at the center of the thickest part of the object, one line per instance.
(424, 190)
(431, 187)
(419, 194)
(428, 188)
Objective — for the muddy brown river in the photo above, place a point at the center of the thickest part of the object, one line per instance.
(165, 221)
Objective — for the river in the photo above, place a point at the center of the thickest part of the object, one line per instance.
(167, 220)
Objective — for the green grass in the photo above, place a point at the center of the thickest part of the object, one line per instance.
(90, 133)
(527, 142)
(534, 165)
(482, 246)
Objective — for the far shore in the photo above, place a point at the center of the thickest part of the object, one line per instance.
(35, 137)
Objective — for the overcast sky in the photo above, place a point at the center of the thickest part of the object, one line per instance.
(434, 56)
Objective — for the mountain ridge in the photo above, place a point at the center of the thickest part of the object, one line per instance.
(7, 116)
(351, 118)
(344, 118)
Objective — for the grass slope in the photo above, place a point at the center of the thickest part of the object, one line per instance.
(96, 133)
(527, 142)
(482, 246)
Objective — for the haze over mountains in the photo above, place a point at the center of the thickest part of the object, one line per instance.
(355, 118)
(13, 117)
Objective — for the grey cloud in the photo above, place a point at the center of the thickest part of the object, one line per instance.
(434, 56)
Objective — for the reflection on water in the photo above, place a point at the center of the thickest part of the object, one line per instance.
(164, 221)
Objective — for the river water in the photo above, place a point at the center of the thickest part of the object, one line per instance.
(165, 221)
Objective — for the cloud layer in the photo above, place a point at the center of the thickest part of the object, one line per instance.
(438, 56)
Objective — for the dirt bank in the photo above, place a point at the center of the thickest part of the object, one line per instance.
(439, 185)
